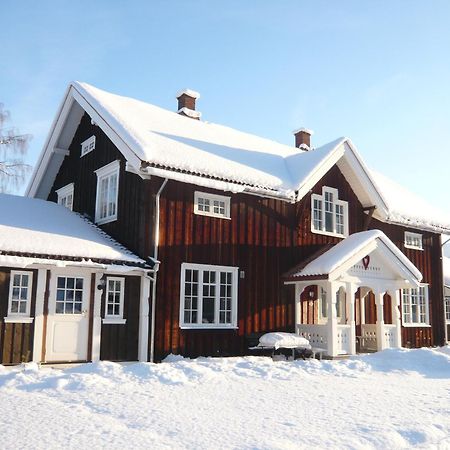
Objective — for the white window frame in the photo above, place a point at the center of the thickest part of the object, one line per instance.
(106, 172)
(407, 306)
(115, 318)
(413, 237)
(336, 203)
(234, 296)
(323, 305)
(87, 146)
(447, 309)
(65, 193)
(198, 196)
(18, 317)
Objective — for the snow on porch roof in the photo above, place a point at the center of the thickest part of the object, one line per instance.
(343, 252)
(37, 227)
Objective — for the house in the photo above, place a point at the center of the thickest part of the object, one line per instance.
(249, 235)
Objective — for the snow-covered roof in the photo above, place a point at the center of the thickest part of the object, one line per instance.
(159, 142)
(33, 227)
(356, 246)
(406, 208)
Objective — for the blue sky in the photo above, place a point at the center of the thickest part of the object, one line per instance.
(375, 71)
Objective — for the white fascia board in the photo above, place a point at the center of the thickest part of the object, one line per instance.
(115, 138)
(352, 260)
(50, 143)
(363, 173)
(320, 170)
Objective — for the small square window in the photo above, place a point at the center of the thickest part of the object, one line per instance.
(88, 145)
(413, 240)
(213, 205)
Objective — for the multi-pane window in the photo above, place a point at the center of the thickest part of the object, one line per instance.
(329, 214)
(211, 205)
(208, 296)
(323, 303)
(19, 294)
(107, 192)
(114, 298)
(69, 295)
(415, 306)
(447, 309)
(413, 240)
(88, 145)
(65, 196)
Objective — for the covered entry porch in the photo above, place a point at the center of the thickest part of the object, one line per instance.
(347, 299)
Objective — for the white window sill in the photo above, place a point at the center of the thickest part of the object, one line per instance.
(416, 325)
(18, 319)
(413, 248)
(208, 327)
(114, 321)
(208, 214)
(105, 220)
(328, 233)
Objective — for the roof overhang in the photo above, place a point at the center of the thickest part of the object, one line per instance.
(337, 263)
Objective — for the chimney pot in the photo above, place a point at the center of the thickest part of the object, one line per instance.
(303, 138)
(186, 103)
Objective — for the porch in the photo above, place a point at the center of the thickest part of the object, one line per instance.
(347, 318)
(347, 298)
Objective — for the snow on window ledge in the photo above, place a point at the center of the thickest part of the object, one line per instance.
(114, 321)
(18, 319)
(416, 325)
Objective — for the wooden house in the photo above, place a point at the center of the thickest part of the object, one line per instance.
(249, 235)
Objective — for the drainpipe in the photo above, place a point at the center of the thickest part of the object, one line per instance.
(155, 275)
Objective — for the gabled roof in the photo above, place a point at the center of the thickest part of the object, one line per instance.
(163, 143)
(40, 229)
(348, 252)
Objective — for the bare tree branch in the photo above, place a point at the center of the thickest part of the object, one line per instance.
(13, 148)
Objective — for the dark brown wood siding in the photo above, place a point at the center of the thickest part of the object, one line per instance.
(135, 198)
(16, 339)
(120, 342)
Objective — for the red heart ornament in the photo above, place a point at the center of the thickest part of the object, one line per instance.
(366, 261)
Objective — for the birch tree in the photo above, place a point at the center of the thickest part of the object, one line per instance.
(13, 147)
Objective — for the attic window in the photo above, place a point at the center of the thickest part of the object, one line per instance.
(329, 215)
(213, 205)
(65, 196)
(88, 145)
(413, 240)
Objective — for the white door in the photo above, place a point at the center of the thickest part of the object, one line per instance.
(68, 318)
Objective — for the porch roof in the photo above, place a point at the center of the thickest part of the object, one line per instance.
(337, 260)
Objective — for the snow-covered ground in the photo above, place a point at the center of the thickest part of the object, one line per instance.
(391, 399)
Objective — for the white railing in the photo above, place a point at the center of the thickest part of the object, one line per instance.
(343, 339)
(317, 335)
(368, 337)
(389, 336)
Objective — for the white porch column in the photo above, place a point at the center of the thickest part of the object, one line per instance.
(332, 324)
(39, 315)
(396, 317)
(350, 291)
(379, 301)
(143, 319)
(97, 320)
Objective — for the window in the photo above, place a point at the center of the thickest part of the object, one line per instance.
(329, 214)
(341, 305)
(19, 300)
(65, 196)
(447, 309)
(87, 146)
(107, 192)
(208, 297)
(415, 306)
(69, 295)
(413, 240)
(114, 300)
(211, 205)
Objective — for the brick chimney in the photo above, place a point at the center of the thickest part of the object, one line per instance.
(186, 104)
(303, 138)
